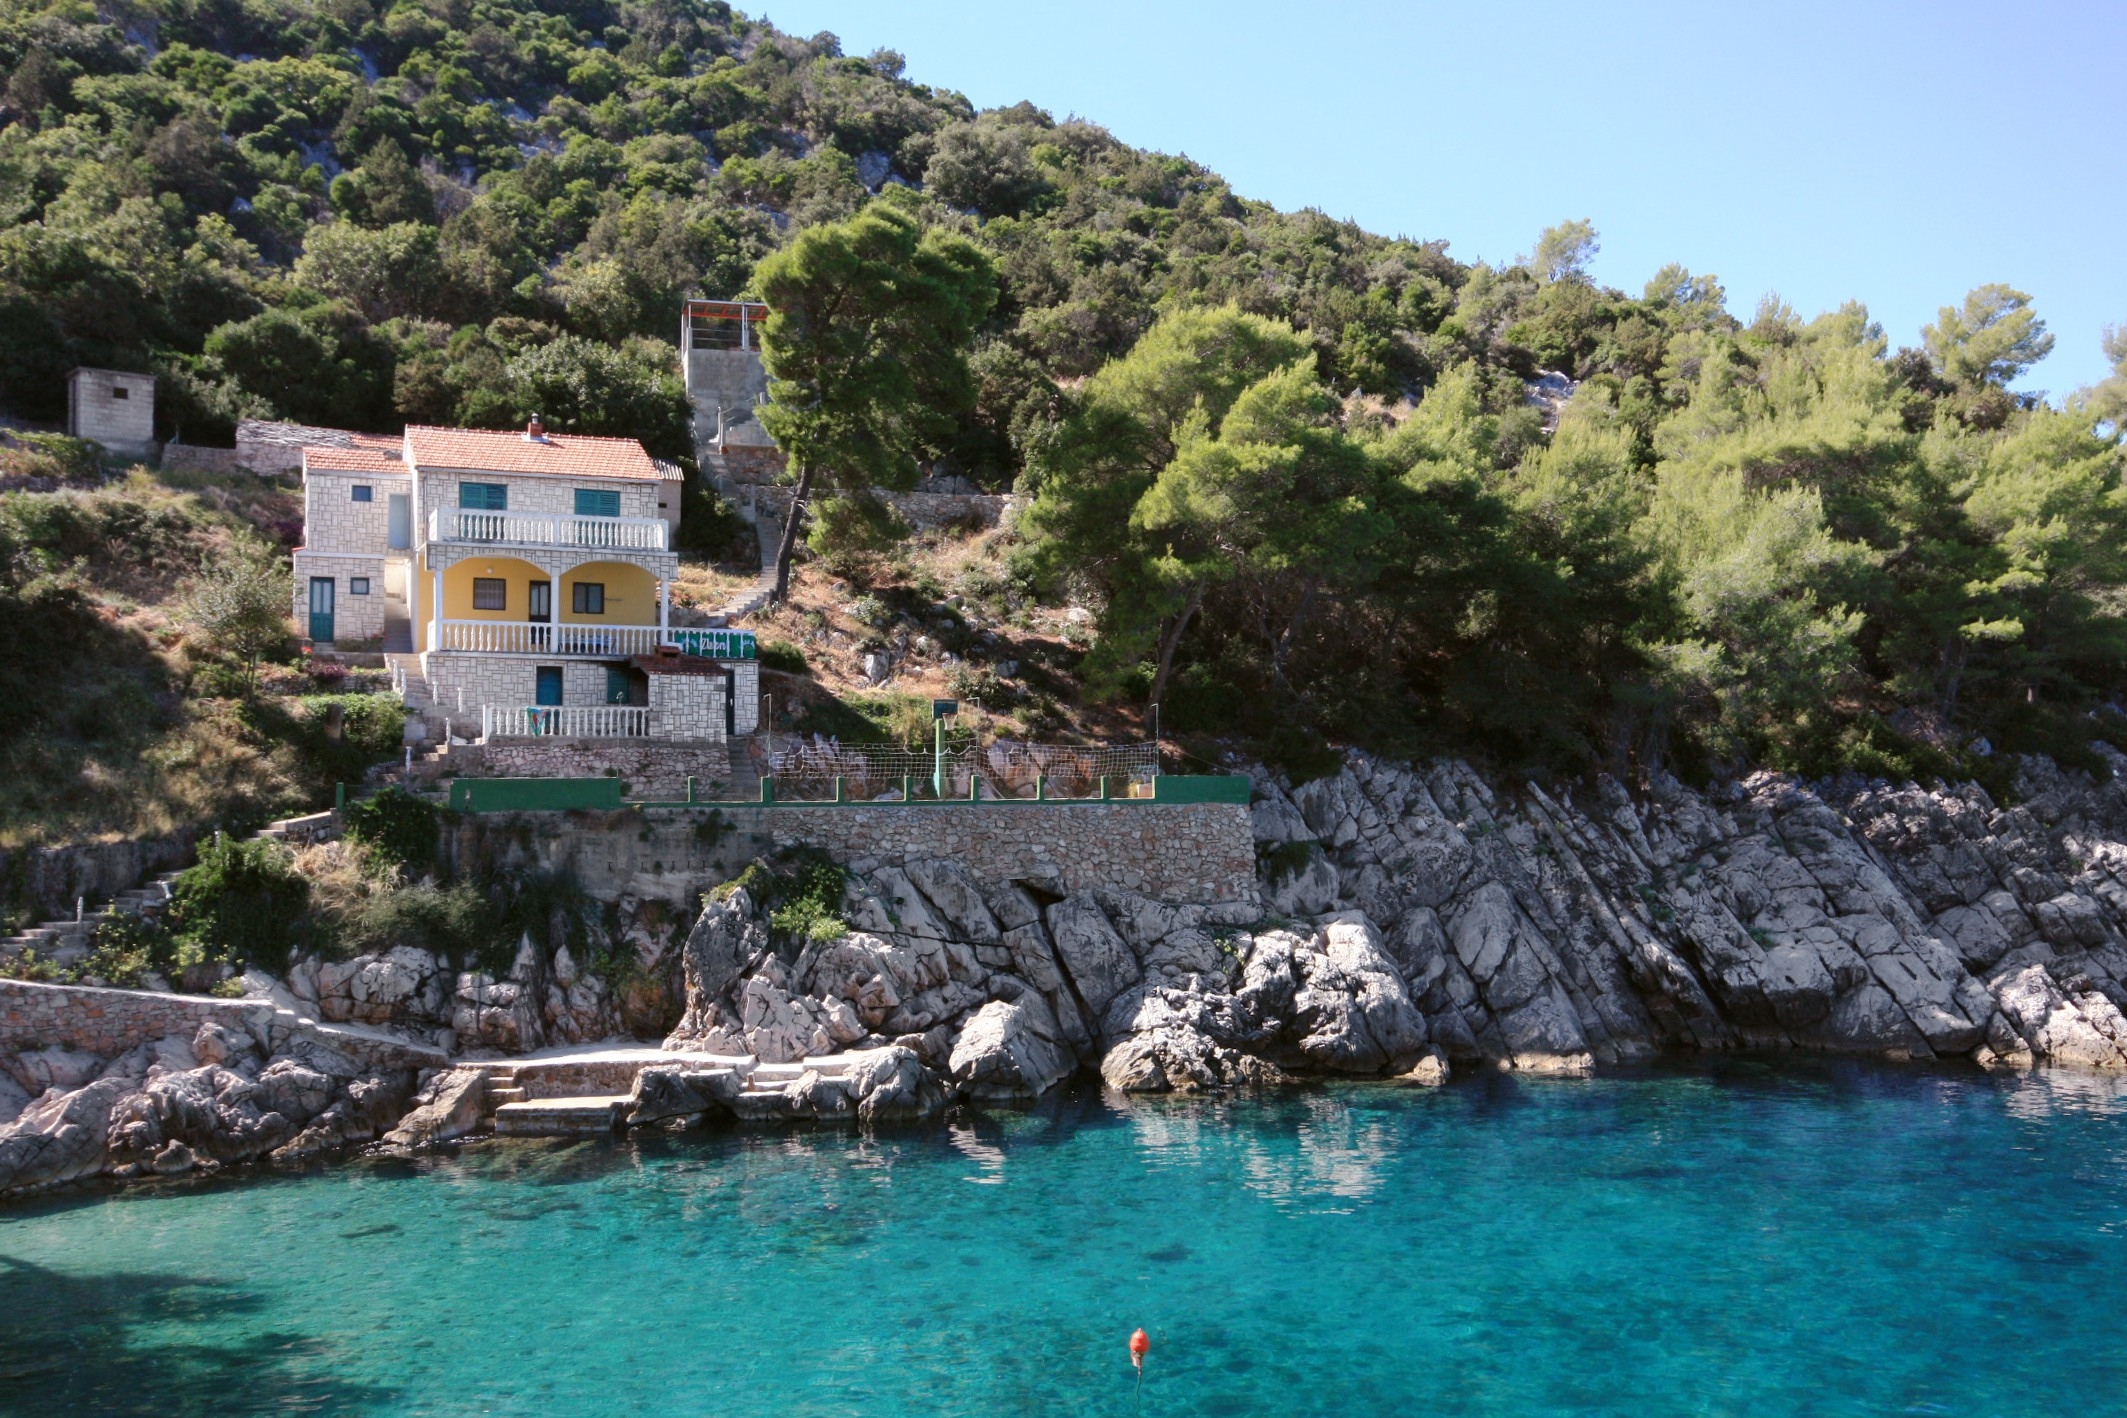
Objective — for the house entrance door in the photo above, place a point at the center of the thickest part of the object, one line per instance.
(546, 686)
(541, 613)
(321, 609)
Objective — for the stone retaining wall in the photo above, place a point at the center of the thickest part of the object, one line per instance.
(1197, 852)
(192, 458)
(919, 509)
(646, 767)
(1200, 852)
(44, 882)
(109, 1022)
(106, 1023)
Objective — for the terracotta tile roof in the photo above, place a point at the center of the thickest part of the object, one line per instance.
(371, 455)
(566, 455)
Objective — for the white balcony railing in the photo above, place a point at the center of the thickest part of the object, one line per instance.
(589, 721)
(519, 637)
(533, 529)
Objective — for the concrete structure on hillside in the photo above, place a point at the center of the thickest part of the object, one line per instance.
(113, 407)
(526, 579)
(720, 354)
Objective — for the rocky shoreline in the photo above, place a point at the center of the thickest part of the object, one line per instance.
(1410, 923)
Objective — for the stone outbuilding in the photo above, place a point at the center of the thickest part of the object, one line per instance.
(115, 408)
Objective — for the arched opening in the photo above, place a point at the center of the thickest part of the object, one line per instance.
(491, 588)
(607, 593)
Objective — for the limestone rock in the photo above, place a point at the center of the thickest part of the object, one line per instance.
(892, 1085)
(58, 1138)
(676, 1091)
(455, 1105)
(1010, 1051)
(1100, 965)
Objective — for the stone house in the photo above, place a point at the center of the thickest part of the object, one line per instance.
(113, 407)
(520, 580)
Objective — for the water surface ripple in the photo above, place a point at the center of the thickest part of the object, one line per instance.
(1760, 1238)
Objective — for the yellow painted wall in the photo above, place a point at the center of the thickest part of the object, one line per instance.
(631, 594)
(458, 588)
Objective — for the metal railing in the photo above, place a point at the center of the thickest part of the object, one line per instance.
(535, 529)
(722, 325)
(585, 721)
(519, 637)
(714, 644)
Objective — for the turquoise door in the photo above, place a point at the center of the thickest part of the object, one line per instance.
(546, 686)
(321, 609)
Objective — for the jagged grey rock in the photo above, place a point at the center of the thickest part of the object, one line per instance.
(1010, 1051)
(453, 1105)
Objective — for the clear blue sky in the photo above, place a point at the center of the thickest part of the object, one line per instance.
(1895, 154)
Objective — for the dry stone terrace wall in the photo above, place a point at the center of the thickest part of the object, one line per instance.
(1194, 853)
(107, 1023)
(1199, 852)
(45, 882)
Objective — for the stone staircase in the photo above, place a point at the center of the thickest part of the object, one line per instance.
(768, 532)
(534, 1098)
(518, 1114)
(67, 941)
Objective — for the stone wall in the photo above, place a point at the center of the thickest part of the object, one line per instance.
(114, 407)
(919, 509)
(687, 706)
(45, 882)
(106, 1023)
(645, 767)
(334, 522)
(353, 617)
(726, 388)
(192, 458)
(950, 509)
(539, 497)
(1199, 853)
(1202, 852)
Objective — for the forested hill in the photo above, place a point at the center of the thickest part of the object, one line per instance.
(1292, 466)
(341, 212)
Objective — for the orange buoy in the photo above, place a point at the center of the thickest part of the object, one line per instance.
(1140, 1346)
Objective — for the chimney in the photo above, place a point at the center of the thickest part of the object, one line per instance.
(535, 431)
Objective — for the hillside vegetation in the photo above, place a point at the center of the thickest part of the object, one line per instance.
(119, 713)
(1290, 467)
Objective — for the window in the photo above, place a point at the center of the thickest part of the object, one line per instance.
(358, 585)
(597, 502)
(588, 598)
(121, 393)
(363, 492)
(484, 497)
(490, 593)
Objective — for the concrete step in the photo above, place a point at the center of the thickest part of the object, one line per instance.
(561, 1117)
(505, 1094)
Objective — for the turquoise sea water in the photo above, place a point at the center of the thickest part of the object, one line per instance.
(1794, 1237)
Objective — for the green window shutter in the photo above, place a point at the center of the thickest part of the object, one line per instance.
(484, 497)
(597, 502)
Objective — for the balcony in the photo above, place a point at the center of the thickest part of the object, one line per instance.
(590, 721)
(529, 529)
(518, 637)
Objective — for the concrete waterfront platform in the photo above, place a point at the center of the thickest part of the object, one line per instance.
(561, 1117)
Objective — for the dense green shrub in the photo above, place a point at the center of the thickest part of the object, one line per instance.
(782, 655)
(397, 828)
(800, 891)
(241, 903)
(455, 922)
